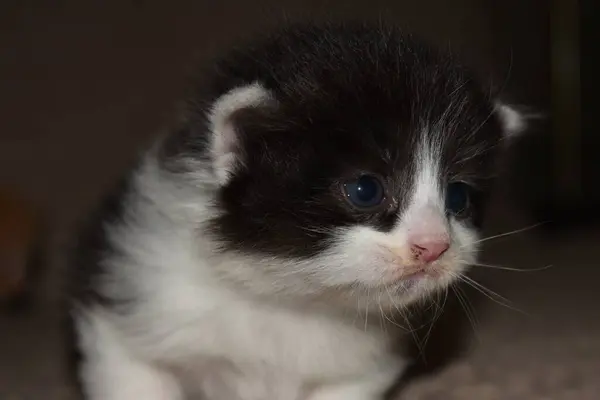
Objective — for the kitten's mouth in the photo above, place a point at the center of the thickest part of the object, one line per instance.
(416, 275)
(417, 271)
(410, 277)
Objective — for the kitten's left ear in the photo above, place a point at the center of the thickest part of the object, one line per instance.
(225, 131)
(513, 121)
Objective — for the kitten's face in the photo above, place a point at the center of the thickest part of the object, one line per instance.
(350, 169)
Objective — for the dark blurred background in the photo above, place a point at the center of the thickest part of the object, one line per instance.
(83, 84)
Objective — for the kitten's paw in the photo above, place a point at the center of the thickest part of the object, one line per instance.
(109, 370)
(362, 390)
(371, 387)
(347, 392)
(341, 395)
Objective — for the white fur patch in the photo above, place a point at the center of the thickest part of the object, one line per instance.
(110, 370)
(223, 132)
(188, 313)
(425, 214)
(513, 122)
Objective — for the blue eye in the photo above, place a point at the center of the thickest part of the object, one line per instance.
(365, 192)
(457, 198)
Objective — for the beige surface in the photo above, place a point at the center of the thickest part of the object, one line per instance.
(86, 85)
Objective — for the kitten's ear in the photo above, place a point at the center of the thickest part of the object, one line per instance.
(516, 120)
(225, 150)
(513, 121)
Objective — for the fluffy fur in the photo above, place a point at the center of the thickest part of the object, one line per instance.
(230, 262)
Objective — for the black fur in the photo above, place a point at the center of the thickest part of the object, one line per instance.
(351, 98)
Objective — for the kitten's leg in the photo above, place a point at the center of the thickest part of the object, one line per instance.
(251, 383)
(373, 387)
(350, 391)
(108, 370)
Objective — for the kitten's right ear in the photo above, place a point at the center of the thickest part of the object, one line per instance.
(225, 151)
(514, 121)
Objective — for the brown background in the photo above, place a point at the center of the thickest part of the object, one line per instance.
(84, 83)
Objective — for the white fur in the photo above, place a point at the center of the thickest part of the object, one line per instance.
(224, 135)
(250, 328)
(512, 120)
(112, 372)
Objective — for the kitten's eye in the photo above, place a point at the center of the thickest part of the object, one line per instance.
(457, 198)
(365, 192)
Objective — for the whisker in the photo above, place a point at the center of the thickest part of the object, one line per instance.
(388, 318)
(478, 285)
(382, 313)
(396, 324)
(467, 308)
(357, 310)
(514, 232)
(411, 329)
(481, 125)
(316, 230)
(437, 315)
(397, 309)
(415, 338)
(367, 310)
(404, 314)
(503, 268)
(490, 294)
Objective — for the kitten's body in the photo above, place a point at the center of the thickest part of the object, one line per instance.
(176, 315)
(232, 265)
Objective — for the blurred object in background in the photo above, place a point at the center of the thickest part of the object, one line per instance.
(589, 69)
(569, 193)
(20, 229)
(555, 173)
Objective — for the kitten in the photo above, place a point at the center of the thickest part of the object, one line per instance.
(323, 174)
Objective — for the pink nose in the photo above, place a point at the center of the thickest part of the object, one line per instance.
(427, 252)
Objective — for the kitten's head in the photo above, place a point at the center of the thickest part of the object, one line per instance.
(349, 161)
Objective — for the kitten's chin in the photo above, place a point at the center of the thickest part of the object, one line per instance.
(409, 289)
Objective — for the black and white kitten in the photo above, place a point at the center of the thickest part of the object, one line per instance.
(325, 172)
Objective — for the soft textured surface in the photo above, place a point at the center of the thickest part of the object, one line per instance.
(88, 85)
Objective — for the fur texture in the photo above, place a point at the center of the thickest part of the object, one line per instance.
(233, 262)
